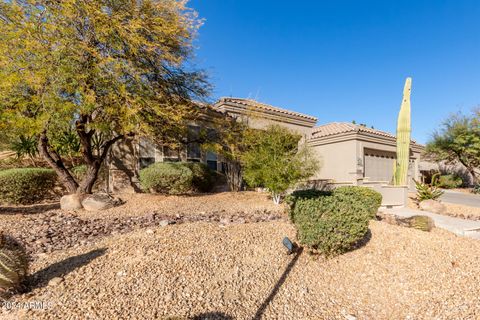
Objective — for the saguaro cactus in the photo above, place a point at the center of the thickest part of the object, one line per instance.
(403, 137)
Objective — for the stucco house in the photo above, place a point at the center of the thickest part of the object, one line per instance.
(349, 154)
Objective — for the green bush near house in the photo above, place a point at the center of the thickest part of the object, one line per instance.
(26, 185)
(203, 178)
(177, 177)
(333, 223)
(166, 177)
(449, 181)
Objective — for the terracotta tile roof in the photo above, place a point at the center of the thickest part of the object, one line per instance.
(266, 107)
(334, 128)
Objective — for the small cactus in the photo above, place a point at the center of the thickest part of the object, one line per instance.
(13, 265)
(423, 223)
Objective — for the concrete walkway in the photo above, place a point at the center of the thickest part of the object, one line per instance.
(457, 197)
(461, 227)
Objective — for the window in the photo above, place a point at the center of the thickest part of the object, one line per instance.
(171, 154)
(194, 152)
(212, 160)
(146, 153)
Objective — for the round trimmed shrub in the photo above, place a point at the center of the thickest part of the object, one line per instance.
(333, 223)
(26, 185)
(361, 196)
(166, 177)
(292, 198)
(203, 178)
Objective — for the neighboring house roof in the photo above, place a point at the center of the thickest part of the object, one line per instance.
(265, 107)
(334, 128)
(340, 128)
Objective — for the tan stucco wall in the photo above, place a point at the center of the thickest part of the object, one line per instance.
(337, 160)
(262, 123)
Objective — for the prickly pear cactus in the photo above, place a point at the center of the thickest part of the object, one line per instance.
(13, 265)
(403, 137)
(423, 223)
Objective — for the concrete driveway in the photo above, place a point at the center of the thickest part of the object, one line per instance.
(456, 197)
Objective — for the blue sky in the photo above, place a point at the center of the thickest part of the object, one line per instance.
(345, 60)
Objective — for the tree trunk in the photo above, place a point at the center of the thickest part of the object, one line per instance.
(54, 161)
(233, 172)
(86, 185)
(475, 178)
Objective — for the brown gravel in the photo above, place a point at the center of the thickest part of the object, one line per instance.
(192, 269)
(218, 268)
(227, 203)
(453, 210)
(461, 211)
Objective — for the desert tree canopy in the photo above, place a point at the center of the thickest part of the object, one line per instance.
(109, 67)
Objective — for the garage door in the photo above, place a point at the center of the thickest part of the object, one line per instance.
(378, 165)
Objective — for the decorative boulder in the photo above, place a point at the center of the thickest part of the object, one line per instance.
(71, 202)
(99, 201)
(432, 206)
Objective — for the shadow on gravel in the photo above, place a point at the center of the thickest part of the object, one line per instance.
(212, 316)
(364, 241)
(32, 209)
(277, 286)
(60, 269)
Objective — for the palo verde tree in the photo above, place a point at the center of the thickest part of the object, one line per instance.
(274, 159)
(458, 140)
(113, 69)
(227, 138)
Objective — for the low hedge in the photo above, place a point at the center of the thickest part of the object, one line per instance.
(333, 223)
(26, 185)
(166, 177)
(177, 177)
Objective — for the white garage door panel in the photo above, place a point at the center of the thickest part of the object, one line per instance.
(378, 166)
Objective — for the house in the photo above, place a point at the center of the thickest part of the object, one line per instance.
(349, 154)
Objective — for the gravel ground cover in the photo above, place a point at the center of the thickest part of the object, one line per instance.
(44, 228)
(221, 257)
(453, 210)
(199, 269)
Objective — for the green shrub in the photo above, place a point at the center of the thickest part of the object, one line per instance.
(292, 198)
(449, 181)
(167, 177)
(366, 197)
(427, 192)
(25, 185)
(203, 178)
(329, 224)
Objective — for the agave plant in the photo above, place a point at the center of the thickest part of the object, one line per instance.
(428, 191)
(13, 265)
(25, 146)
